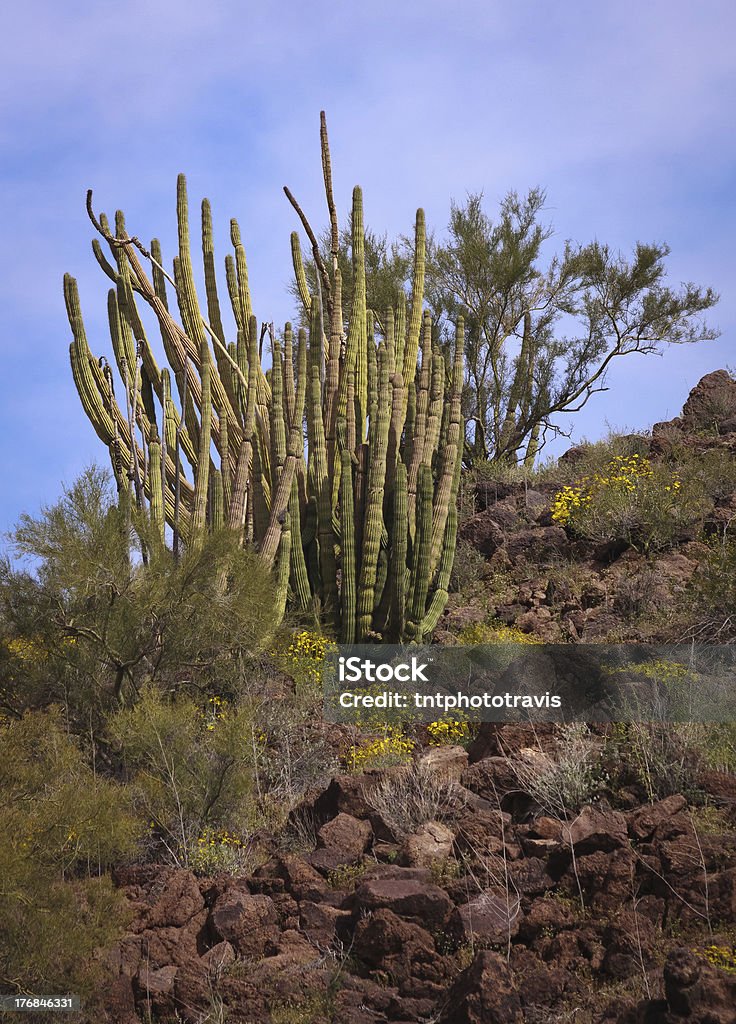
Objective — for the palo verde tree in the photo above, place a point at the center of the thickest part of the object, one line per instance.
(360, 521)
(542, 332)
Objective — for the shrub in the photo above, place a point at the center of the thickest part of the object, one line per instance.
(393, 748)
(561, 782)
(191, 767)
(217, 850)
(631, 500)
(713, 595)
(60, 824)
(302, 655)
(449, 730)
(495, 633)
(101, 624)
(407, 799)
(467, 568)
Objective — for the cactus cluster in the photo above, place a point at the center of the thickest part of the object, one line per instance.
(357, 516)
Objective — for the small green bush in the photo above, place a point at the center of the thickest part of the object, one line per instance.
(191, 767)
(61, 824)
(467, 568)
(630, 500)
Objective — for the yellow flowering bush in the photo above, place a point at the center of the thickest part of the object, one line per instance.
(219, 850)
(495, 633)
(631, 499)
(394, 747)
(303, 657)
(449, 731)
(723, 957)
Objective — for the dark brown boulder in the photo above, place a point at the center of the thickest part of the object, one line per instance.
(350, 835)
(711, 403)
(483, 994)
(697, 992)
(247, 922)
(493, 916)
(412, 900)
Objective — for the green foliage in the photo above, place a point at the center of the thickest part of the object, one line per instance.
(631, 500)
(562, 781)
(191, 767)
(467, 567)
(521, 370)
(712, 596)
(60, 824)
(88, 624)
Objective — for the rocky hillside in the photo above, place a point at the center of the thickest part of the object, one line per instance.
(426, 899)
(541, 876)
(524, 569)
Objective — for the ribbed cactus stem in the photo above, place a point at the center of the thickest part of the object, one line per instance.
(417, 295)
(241, 273)
(299, 574)
(278, 425)
(201, 483)
(318, 453)
(442, 584)
(374, 499)
(282, 568)
(299, 274)
(288, 376)
(237, 510)
(358, 318)
(422, 549)
(446, 491)
(217, 502)
(285, 474)
(347, 539)
(397, 561)
(155, 490)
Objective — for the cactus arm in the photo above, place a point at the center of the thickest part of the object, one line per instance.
(417, 296)
(288, 375)
(205, 438)
(237, 510)
(439, 598)
(451, 451)
(420, 570)
(436, 408)
(374, 499)
(278, 425)
(282, 568)
(420, 427)
(157, 497)
(332, 376)
(400, 331)
(347, 540)
(299, 574)
(284, 471)
(299, 274)
(358, 316)
(217, 501)
(397, 562)
(159, 279)
(241, 276)
(321, 480)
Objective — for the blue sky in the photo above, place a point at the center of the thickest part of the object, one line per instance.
(622, 111)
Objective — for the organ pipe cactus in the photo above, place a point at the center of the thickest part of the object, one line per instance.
(359, 522)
